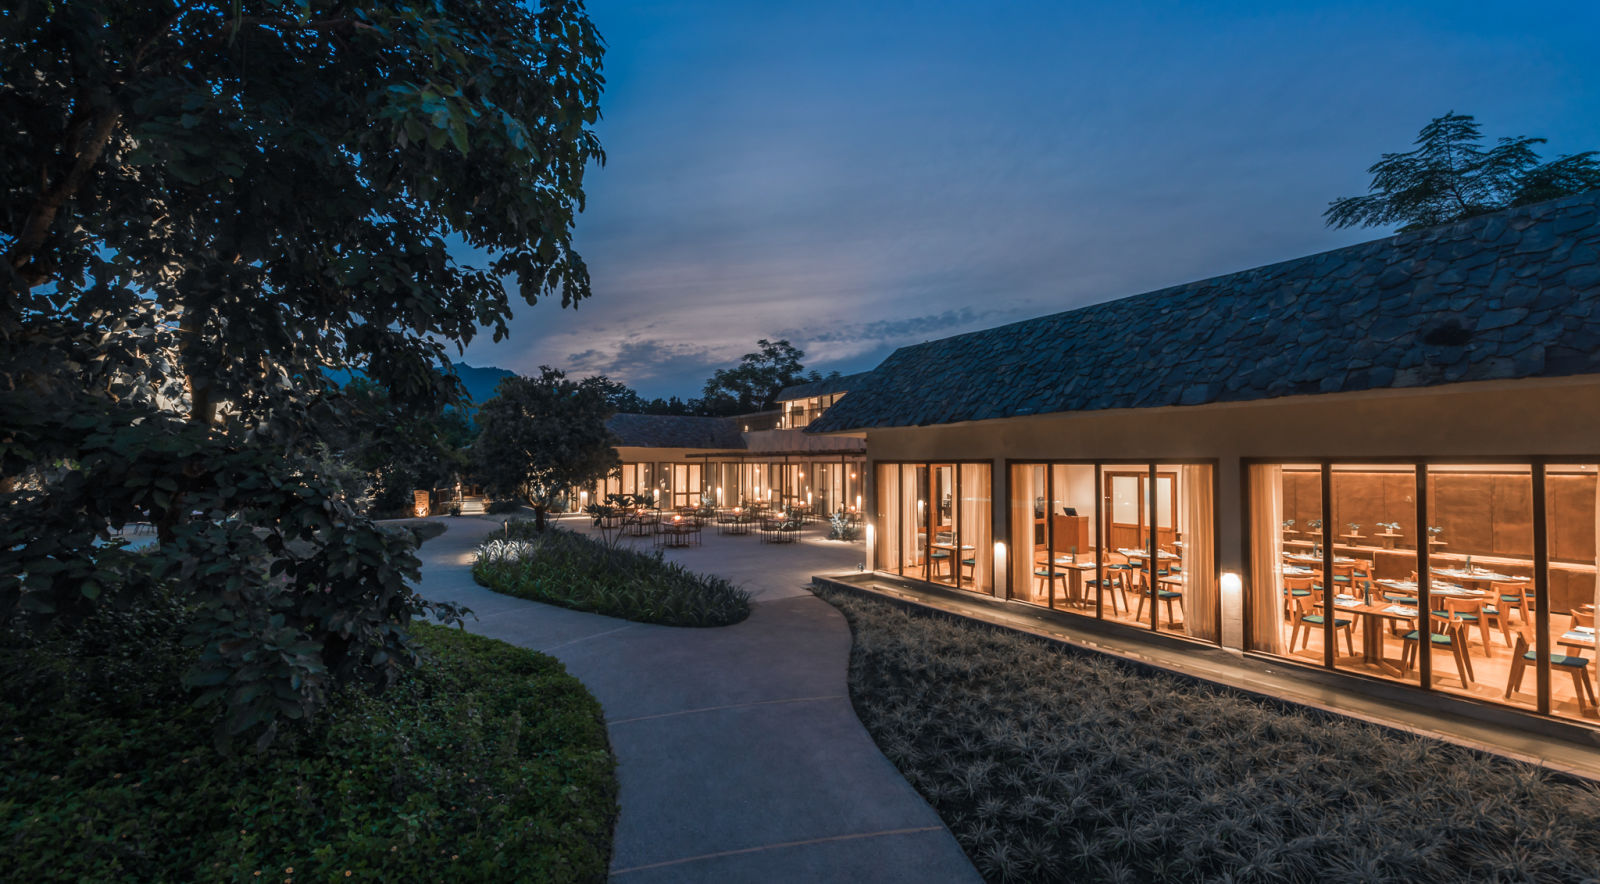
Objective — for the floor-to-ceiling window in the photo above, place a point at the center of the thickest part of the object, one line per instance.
(1131, 542)
(1430, 573)
(935, 521)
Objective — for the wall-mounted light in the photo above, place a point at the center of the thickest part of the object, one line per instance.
(1232, 590)
(999, 558)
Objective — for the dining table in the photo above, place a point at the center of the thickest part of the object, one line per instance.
(1073, 568)
(1308, 559)
(1372, 631)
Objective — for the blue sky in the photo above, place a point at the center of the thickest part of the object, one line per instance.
(861, 176)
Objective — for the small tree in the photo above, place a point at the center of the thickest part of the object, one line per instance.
(1449, 176)
(539, 438)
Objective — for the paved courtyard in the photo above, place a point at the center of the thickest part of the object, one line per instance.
(740, 757)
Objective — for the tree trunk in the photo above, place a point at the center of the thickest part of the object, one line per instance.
(538, 517)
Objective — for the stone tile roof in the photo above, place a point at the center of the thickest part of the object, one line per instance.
(824, 387)
(1515, 294)
(674, 431)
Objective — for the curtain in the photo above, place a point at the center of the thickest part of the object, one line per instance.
(1021, 552)
(1200, 600)
(913, 521)
(887, 532)
(1264, 595)
(977, 514)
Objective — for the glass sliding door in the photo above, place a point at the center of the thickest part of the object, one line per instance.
(933, 522)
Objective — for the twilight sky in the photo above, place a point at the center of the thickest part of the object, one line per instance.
(860, 176)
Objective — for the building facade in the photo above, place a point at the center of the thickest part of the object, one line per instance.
(1379, 461)
(742, 460)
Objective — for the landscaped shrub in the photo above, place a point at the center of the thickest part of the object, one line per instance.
(568, 569)
(1053, 764)
(497, 507)
(488, 763)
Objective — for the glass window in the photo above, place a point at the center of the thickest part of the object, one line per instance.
(1479, 534)
(887, 530)
(1053, 542)
(1373, 536)
(1286, 561)
(1572, 496)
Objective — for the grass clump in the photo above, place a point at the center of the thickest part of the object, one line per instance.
(1052, 764)
(489, 763)
(568, 569)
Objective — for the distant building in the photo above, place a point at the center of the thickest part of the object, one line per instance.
(684, 461)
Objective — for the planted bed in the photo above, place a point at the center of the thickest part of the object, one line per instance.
(569, 569)
(1054, 764)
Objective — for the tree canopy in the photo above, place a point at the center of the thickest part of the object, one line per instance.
(1450, 176)
(207, 206)
(539, 438)
(753, 384)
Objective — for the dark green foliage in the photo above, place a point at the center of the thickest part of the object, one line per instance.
(539, 438)
(292, 592)
(401, 449)
(206, 208)
(490, 764)
(1450, 176)
(1051, 764)
(574, 571)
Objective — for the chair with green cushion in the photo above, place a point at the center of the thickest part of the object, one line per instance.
(1115, 579)
(1295, 587)
(1447, 630)
(1043, 582)
(936, 558)
(1169, 596)
(1307, 617)
(1578, 667)
(1512, 595)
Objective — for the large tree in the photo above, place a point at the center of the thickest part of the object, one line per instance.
(753, 384)
(539, 438)
(1450, 176)
(208, 205)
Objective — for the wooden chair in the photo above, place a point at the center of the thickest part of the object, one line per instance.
(1116, 579)
(1308, 616)
(1043, 584)
(1451, 633)
(1295, 586)
(1509, 595)
(1144, 583)
(1577, 667)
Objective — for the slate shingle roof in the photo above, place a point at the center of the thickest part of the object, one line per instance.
(674, 431)
(824, 387)
(1515, 294)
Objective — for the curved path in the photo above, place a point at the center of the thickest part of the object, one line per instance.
(739, 755)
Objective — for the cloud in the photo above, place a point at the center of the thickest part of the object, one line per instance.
(913, 329)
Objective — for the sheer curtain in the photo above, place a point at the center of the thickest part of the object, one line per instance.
(976, 515)
(914, 522)
(1199, 561)
(1021, 553)
(1264, 596)
(887, 532)
(1596, 599)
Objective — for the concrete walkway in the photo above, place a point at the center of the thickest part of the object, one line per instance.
(739, 755)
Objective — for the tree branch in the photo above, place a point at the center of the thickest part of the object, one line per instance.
(43, 214)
